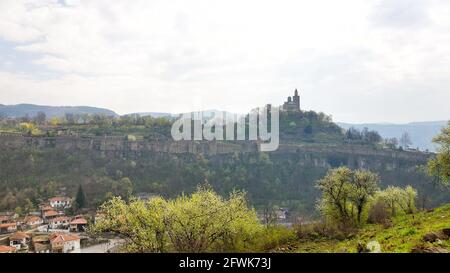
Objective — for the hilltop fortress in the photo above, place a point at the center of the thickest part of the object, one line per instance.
(292, 103)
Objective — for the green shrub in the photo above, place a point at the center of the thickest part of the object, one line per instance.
(276, 236)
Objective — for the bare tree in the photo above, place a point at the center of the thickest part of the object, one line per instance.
(41, 118)
(405, 140)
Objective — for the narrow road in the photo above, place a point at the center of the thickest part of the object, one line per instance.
(102, 248)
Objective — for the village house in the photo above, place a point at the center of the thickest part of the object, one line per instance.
(4, 219)
(281, 214)
(19, 240)
(78, 224)
(33, 221)
(47, 215)
(20, 222)
(41, 244)
(44, 208)
(60, 222)
(65, 243)
(60, 202)
(7, 249)
(8, 227)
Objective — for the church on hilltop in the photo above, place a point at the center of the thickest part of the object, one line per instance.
(292, 103)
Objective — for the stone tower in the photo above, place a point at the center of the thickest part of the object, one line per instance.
(296, 99)
(292, 104)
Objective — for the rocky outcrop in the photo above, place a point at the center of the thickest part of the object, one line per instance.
(429, 249)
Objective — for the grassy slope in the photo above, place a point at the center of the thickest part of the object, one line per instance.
(407, 231)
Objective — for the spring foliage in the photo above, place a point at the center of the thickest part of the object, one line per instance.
(439, 167)
(346, 195)
(201, 222)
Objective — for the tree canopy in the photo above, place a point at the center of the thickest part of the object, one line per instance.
(346, 194)
(439, 167)
(200, 222)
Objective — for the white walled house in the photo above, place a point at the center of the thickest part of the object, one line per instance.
(50, 214)
(7, 249)
(60, 202)
(65, 243)
(59, 222)
(33, 221)
(8, 227)
(78, 224)
(19, 240)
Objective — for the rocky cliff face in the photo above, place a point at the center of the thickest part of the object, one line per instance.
(113, 145)
(119, 145)
(317, 155)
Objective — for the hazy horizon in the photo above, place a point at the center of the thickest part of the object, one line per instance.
(210, 109)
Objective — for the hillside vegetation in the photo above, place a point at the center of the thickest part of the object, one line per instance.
(421, 231)
(285, 178)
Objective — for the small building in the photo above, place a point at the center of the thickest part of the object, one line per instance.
(19, 240)
(281, 214)
(8, 227)
(65, 243)
(44, 208)
(4, 219)
(50, 214)
(78, 224)
(41, 244)
(7, 249)
(33, 221)
(20, 222)
(60, 202)
(59, 222)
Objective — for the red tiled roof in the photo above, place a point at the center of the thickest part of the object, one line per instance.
(78, 221)
(59, 219)
(50, 213)
(7, 249)
(32, 218)
(7, 225)
(47, 207)
(56, 199)
(63, 237)
(19, 236)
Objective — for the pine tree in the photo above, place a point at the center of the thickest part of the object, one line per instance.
(80, 199)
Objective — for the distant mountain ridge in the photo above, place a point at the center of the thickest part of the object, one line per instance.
(21, 110)
(421, 133)
(206, 114)
(152, 114)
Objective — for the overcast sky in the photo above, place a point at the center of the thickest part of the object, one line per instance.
(360, 61)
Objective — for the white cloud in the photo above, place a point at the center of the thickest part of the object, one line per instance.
(233, 55)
